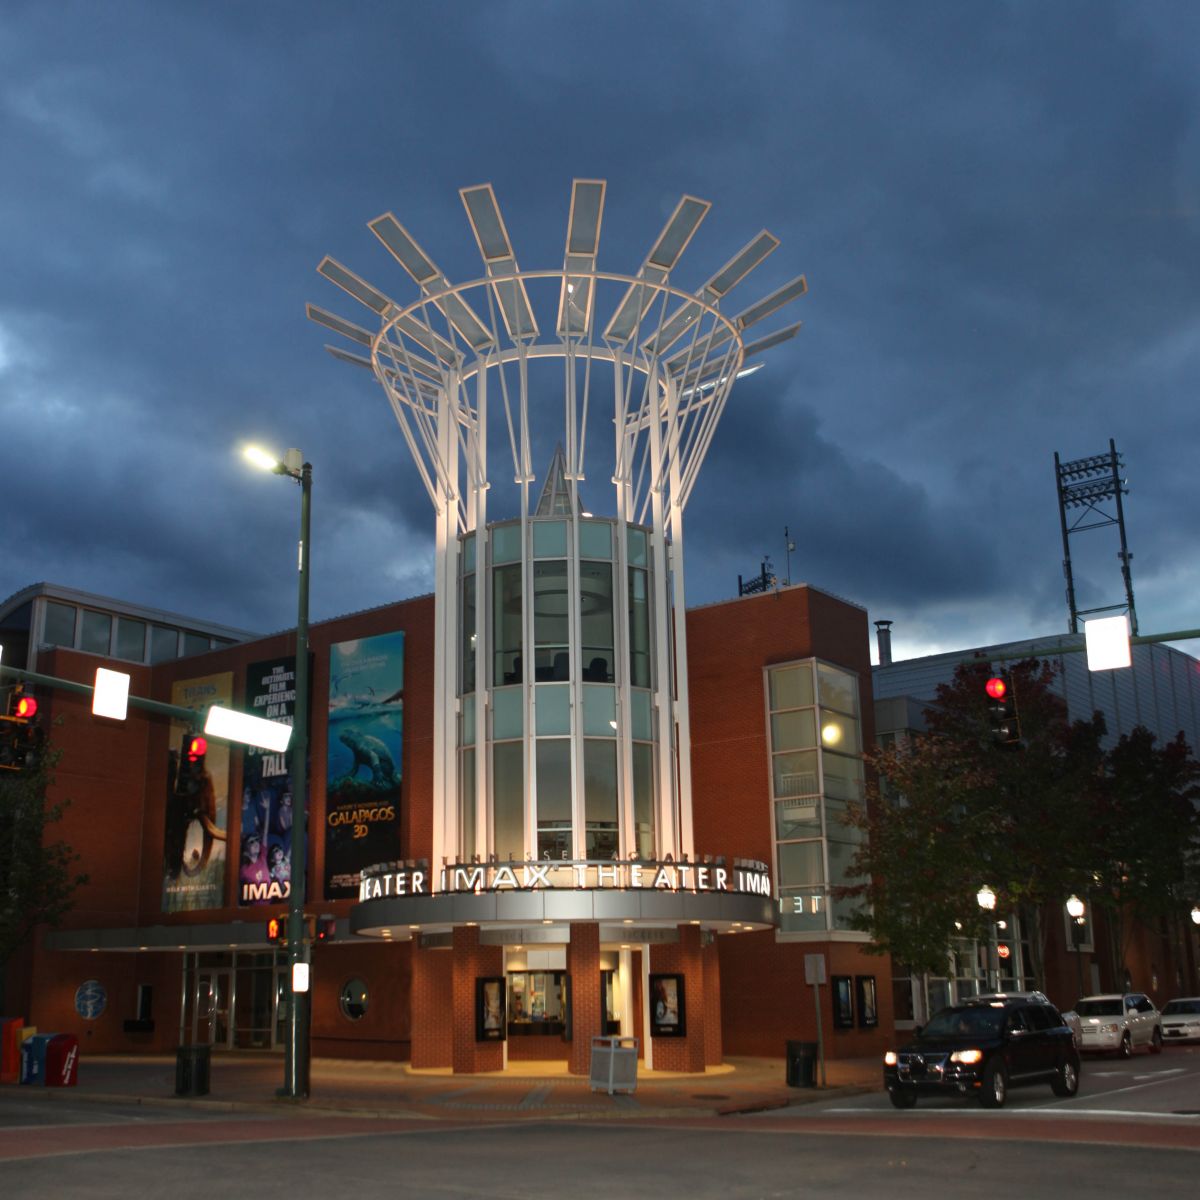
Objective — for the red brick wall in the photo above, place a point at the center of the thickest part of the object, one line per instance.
(384, 1030)
(583, 964)
(471, 962)
(684, 957)
(432, 1023)
(711, 963)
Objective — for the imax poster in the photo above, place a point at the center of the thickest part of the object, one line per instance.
(265, 873)
(362, 786)
(196, 826)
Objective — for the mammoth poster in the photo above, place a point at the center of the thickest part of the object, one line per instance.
(195, 832)
(265, 853)
(363, 771)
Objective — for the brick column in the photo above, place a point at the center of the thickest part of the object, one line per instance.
(431, 992)
(471, 961)
(686, 958)
(583, 965)
(713, 1050)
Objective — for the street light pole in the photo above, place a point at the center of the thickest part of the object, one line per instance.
(296, 1070)
(296, 1074)
(1075, 910)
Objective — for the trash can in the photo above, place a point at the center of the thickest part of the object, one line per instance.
(62, 1061)
(191, 1070)
(33, 1058)
(802, 1064)
(613, 1067)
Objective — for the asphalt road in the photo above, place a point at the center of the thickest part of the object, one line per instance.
(1133, 1131)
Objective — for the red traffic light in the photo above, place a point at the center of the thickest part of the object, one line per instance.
(996, 688)
(25, 708)
(196, 748)
(1003, 951)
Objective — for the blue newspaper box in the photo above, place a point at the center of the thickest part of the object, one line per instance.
(33, 1058)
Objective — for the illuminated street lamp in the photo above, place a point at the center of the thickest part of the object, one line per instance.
(986, 899)
(1196, 915)
(1075, 910)
(296, 1058)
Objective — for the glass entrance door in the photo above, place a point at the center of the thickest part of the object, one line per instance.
(213, 1008)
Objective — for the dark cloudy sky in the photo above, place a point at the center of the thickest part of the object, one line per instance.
(997, 207)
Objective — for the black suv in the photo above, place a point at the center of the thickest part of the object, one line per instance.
(983, 1050)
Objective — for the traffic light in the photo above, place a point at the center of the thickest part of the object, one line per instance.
(326, 927)
(189, 777)
(1002, 710)
(277, 931)
(21, 734)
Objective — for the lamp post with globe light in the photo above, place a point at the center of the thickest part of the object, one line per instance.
(296, 1058)
(986, 899)
(1075, 910)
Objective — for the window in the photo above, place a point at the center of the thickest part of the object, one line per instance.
(194, 643)
(164, 643)
(353, 999)
(554, 798)
(551, 621)
(596, 621)
(131, 639)
(639, 627)
(643, 799)
(466, 813)
(506, 624)
(467, 646)
(816, 771)
(60, 624)
(508, 799)
(96, 632)
(600, 797)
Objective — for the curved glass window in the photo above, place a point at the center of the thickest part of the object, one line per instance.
(554, 798)
(643, 799)
(639, 627)
(551, 621)
(506, 625)
(466, 812)
(600, 797)
(596, 621)
(468, 634)
(508, 799)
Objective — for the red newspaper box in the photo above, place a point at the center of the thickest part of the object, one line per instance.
(10, 1048)
(62, 1061)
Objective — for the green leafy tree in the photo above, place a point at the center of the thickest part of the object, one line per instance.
(37, 878)
(956, 811)
(1144, 850)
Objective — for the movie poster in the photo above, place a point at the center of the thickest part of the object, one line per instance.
(362, 788)
(196, 828)
(265, 870)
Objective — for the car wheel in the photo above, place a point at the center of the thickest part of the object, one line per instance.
(1066, 1078)
(1126, 1050)
(902, 1097)
(995, 1085)
(1156, 1041)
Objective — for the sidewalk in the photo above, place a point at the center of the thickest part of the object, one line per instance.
(535, 1091)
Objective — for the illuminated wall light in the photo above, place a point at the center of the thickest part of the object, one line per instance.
(242, 727)
(300, 977)
(831, 734)
(110, 697)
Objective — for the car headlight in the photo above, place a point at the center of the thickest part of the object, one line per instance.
(889, 1059)
(967, 1056)
(1114, 1028)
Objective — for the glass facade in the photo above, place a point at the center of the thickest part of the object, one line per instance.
(815, 741)
(572, 742)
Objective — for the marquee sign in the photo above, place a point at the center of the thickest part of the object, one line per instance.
(746, 876)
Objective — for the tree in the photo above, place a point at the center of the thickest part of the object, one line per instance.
(956, 811)
(36, 873)
(1145, 844)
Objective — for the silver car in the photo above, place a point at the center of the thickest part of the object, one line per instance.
(1120, 1022)
(1181, 1019)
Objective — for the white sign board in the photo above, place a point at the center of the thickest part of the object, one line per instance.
(814, 968)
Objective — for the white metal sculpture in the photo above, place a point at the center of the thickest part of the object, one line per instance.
(459, 358)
